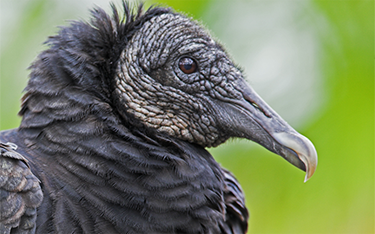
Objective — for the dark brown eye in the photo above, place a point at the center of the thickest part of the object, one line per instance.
(187, 65)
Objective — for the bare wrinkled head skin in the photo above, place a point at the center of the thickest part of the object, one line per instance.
(173, 77)
(115, 118)
(163, 96)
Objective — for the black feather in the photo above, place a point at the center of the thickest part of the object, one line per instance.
(102, 170)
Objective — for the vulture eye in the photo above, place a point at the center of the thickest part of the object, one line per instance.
(187, 65)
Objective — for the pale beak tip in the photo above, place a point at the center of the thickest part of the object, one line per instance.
(310, 166)
(309, 157)
(303, 147)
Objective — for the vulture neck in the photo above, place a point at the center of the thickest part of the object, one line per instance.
(105, 170)
(99, 172)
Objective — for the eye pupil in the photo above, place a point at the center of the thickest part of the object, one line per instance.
(187, 65)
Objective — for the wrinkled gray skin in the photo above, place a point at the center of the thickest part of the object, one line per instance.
(115, 131)
(167, 99)
(205, 107)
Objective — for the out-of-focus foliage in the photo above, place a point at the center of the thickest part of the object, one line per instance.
(317, 57)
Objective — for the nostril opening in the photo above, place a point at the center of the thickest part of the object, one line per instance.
(254, 104)
(260, 109)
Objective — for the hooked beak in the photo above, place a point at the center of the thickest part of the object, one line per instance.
(253, 119)
(301, 146)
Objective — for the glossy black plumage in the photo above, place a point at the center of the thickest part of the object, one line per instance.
(113, 131)
(99, 174)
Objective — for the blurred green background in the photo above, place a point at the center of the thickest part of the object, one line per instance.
(312, 61)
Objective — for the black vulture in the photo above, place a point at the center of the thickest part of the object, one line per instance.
(116, 117)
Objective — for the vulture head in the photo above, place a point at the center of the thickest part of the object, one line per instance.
(115, 118)
(174, 78)
(162, 73)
